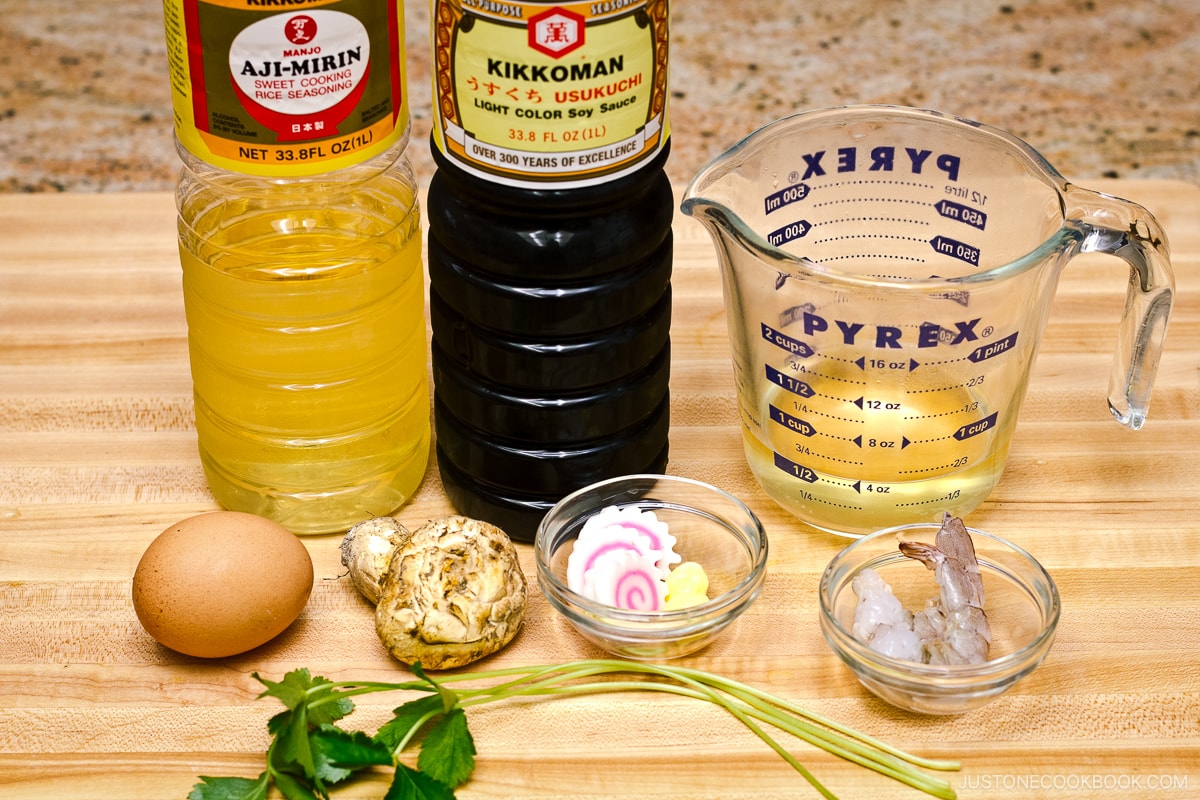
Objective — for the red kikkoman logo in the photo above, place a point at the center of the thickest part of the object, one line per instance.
(556, 32)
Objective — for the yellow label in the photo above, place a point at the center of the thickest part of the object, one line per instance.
(571, 94)
(287, 87)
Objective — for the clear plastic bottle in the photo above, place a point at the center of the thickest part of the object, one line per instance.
(301, 255)
(549, 252)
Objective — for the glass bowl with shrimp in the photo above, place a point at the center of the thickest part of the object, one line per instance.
(650, 567)
(938, 618)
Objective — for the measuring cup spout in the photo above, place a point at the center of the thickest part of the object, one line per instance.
(740, 252)
(711, 198)
(721, 223)
(712, 215)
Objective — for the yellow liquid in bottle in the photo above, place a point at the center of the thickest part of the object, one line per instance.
(305, 309)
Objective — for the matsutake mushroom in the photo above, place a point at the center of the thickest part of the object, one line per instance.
(452, 592)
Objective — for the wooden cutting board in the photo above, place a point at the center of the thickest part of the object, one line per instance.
(97, 456)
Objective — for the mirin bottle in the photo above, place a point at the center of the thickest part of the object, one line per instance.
(300, 243)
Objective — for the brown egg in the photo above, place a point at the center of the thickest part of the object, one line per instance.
(221, 583)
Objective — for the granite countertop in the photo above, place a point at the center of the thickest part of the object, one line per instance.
(1102, 88)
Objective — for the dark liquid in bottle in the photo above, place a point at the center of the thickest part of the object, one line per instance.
(551, 311)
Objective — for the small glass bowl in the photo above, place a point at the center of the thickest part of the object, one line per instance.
(712, 528)
(1020, 600)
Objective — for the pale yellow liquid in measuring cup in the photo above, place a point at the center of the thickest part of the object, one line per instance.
(895, 462)
(308, 410)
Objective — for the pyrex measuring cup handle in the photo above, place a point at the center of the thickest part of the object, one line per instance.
(1126, 230)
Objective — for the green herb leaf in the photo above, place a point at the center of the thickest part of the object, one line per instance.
(230, 788)
(293, 690)
(308, 752)
(292, 751)
(448, 751)
(419, 671)
(338, 754)
(328, 712)
(311, 702)
(412, 714)
(300, 688)
(409, 784)
(295, 789)
(449, 698)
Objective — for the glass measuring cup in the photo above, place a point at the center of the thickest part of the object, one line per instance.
(887, 274)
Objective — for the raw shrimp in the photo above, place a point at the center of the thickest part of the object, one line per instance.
(880, 620)
(955, 630)
(950, 630)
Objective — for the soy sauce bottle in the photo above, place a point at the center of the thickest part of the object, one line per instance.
(549, 252)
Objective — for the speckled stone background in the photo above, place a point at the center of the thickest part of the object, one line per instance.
(1101, 87)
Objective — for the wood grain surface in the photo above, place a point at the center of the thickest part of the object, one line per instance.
(97, 456)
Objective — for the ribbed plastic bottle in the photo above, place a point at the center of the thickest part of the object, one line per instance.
(549, 251)
(300, 242)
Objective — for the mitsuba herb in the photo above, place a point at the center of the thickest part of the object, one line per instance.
(310, 755)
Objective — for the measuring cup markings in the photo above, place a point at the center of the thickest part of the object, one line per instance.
(841, 425)
(940, 243)
(872, 454)
(842, 408)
